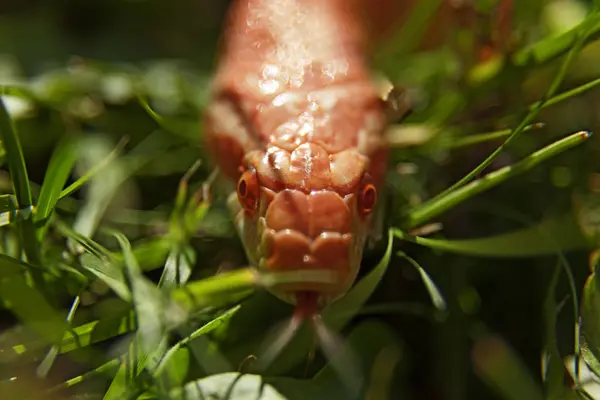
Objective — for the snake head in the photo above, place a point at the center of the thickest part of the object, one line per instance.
(305, 215)
(308, 169)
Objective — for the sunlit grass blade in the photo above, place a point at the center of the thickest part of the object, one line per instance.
(147, 301)
(20, 182)
(204, 330)
(341, 359)
(102, 188)
(441, 204)
(178, 267)
(582, 34)
(484, 137)
(33, 308)
(150, 341)
(549, 236)
(10, 266)
(566, 95)
(94, 170)
(479, 138)
(58, 171)
(434, 292)
(99, 261)
(353, 301)
(498, 366)
(107, 369)
(552, 363)
(16, 160)
(550, 48)
(217, 290)
(186, 129)
(44, 368)
(78, 337)
(86, 243)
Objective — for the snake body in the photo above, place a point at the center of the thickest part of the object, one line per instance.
(296, 122)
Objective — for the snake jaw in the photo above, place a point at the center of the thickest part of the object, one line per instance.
(304, 254)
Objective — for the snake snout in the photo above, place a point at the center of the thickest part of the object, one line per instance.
(308, 233)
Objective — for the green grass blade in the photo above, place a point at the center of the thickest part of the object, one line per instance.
(20, 182)
(549, 236)
(217, 290)
(107, 368)
(184, 128)
(434, 292)
(479, 138)
(582, 34)
(149, 344)
(147, 301)
(78, 337)
(549, 49)
(441, 204)
(44, 367)
(16, 161)
(94, 170)
(566, 95)
(498, 366)
(553, 369)
(171, 355)
(60, 167)
(108, 271)
(32, 308)
(485, 137)
(10, 266)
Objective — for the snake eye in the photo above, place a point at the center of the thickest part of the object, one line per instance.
(248, 191)
(367, 198)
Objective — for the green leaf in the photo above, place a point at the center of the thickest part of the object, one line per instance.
(497, 365)
(217, 290)
(20, 181)
(553, 47)
(102, 187)
(147, 301)
(44, 367)
(11, 266)
(584, 30)
(450, 199)
(548, 237)
(171, 357)
(16, 161)
(59, 169)
(176, 370)
(376, 351)
(178, 267)
(434, 292)
(150, 342)
(590, 324)
(78, 337)
(187, 129)
(94, 170)
(552, 364)
(231, 385)
(108, 271)
(33, 308)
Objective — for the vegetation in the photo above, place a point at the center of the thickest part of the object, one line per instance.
(120, 278)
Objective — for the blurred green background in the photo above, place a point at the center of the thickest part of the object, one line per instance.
(86, 61)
